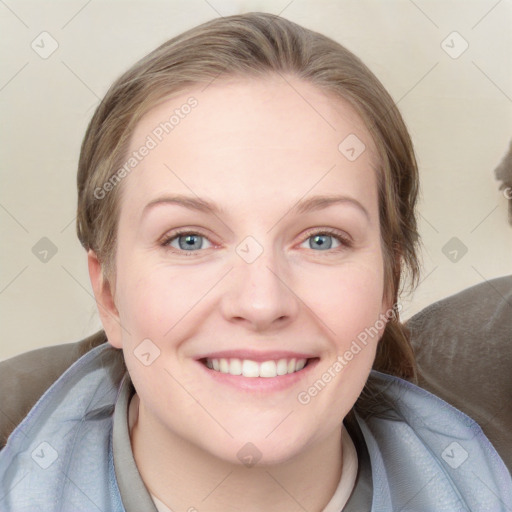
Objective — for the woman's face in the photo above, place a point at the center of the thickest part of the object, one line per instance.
(266, 272)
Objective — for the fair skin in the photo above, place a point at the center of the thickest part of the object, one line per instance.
(254, 148)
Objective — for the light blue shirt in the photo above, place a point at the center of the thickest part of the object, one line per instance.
(425, 455)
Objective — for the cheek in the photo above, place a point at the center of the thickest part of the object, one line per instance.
(157, 301)
(349, 305)
(346, 299)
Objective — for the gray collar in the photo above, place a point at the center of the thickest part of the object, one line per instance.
(134, 494)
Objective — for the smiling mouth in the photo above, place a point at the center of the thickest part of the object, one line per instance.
(250, 368)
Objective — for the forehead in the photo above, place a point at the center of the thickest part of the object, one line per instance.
(251, 136)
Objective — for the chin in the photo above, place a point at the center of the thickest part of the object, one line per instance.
(259, 449)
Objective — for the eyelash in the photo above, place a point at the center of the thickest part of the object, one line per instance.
(345, 242)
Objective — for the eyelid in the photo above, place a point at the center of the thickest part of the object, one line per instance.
(343, 236)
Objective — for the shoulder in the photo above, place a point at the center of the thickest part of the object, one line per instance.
(25, 378)
(427, 453)
(69, 426)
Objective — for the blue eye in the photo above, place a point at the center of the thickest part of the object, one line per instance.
(187, 241)
(323, 240)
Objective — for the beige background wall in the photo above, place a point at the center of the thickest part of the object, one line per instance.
(458, 111)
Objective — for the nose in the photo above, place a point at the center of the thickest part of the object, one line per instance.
(260, 294)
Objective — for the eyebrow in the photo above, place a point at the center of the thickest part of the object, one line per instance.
(303, 206)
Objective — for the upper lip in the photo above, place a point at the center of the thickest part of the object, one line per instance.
(255, 355)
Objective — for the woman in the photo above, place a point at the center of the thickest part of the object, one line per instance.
(247, 199)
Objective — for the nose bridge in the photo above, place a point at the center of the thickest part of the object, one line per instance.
(258, 290)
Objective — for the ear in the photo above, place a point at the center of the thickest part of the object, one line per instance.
(105, 301)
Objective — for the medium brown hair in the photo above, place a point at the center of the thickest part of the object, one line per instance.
(257, 45)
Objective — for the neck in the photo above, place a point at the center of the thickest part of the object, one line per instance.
(186, 477)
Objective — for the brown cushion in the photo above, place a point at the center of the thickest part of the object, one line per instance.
(463, 347)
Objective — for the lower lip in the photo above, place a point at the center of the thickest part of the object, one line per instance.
(260, 384)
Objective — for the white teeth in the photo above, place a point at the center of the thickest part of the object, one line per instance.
(249, 368)
(268, 369)
(235, 367)
(282, 367)
(224, 366)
